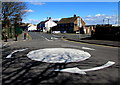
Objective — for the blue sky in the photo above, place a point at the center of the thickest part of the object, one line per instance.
(90, 12)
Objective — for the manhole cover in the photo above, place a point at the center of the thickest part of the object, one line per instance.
(58, 55)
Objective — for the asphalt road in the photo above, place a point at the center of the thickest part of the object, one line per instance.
(20, 70)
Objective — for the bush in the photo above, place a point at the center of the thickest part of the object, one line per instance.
(107, 32)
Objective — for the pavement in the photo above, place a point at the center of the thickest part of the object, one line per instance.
(87, 39)
(20, 38)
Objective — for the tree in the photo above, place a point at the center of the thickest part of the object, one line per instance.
(11, 11)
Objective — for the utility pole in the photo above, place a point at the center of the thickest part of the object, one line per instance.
(103, 21)
(107, 19)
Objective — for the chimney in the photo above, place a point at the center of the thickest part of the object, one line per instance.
(74, 15)
(49, 18)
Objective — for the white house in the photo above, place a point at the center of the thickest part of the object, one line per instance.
(32, 27)
(45, 26)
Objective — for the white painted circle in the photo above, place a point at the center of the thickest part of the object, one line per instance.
(58, 55)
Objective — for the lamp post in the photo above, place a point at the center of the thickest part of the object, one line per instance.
(107, 19)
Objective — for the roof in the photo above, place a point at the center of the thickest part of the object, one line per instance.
(67, 20)
(43, 22)
(55, 21)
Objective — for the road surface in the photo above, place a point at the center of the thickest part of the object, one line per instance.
(21, 70)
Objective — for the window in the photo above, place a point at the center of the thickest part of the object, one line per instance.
(75, 24)
(71, 24)
(58, 25)
(66, 25)
(78, 22)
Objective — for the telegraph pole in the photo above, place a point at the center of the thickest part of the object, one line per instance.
(107, 19)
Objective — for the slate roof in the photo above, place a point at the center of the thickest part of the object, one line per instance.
(55, 21)
(43, 22)
(67, 20)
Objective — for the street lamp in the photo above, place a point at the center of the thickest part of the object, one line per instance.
(107, 19)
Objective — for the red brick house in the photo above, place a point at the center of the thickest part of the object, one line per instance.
(70, 25)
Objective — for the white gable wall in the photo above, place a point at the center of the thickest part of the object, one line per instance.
(49, 24)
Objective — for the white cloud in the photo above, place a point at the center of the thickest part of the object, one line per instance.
(28, 10)
(109, 17)
(56, 19)
(88, 19)
(98, 19)
(89, 16)
(32, 21)
(37, 3)
(99, 15)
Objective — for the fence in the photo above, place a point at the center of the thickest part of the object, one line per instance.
(107, 32)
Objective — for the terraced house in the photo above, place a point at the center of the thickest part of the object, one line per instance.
(70, 25)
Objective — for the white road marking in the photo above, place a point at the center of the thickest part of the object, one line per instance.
(58, 55)
(5, 44)
(54, 38)
(10, 55)
(72, 70)
(86, 48)
(83, 71)
(42, 36)
(46, 38)
(109, 63)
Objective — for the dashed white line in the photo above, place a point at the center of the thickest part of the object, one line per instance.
(46, 38)
(86, 48)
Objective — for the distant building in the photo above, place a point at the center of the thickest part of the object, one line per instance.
(45, 26)
(24, 26)
(89, 29)
(32, 27)
(70, 25)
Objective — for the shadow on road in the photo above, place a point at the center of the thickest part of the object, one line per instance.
(19, 70)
